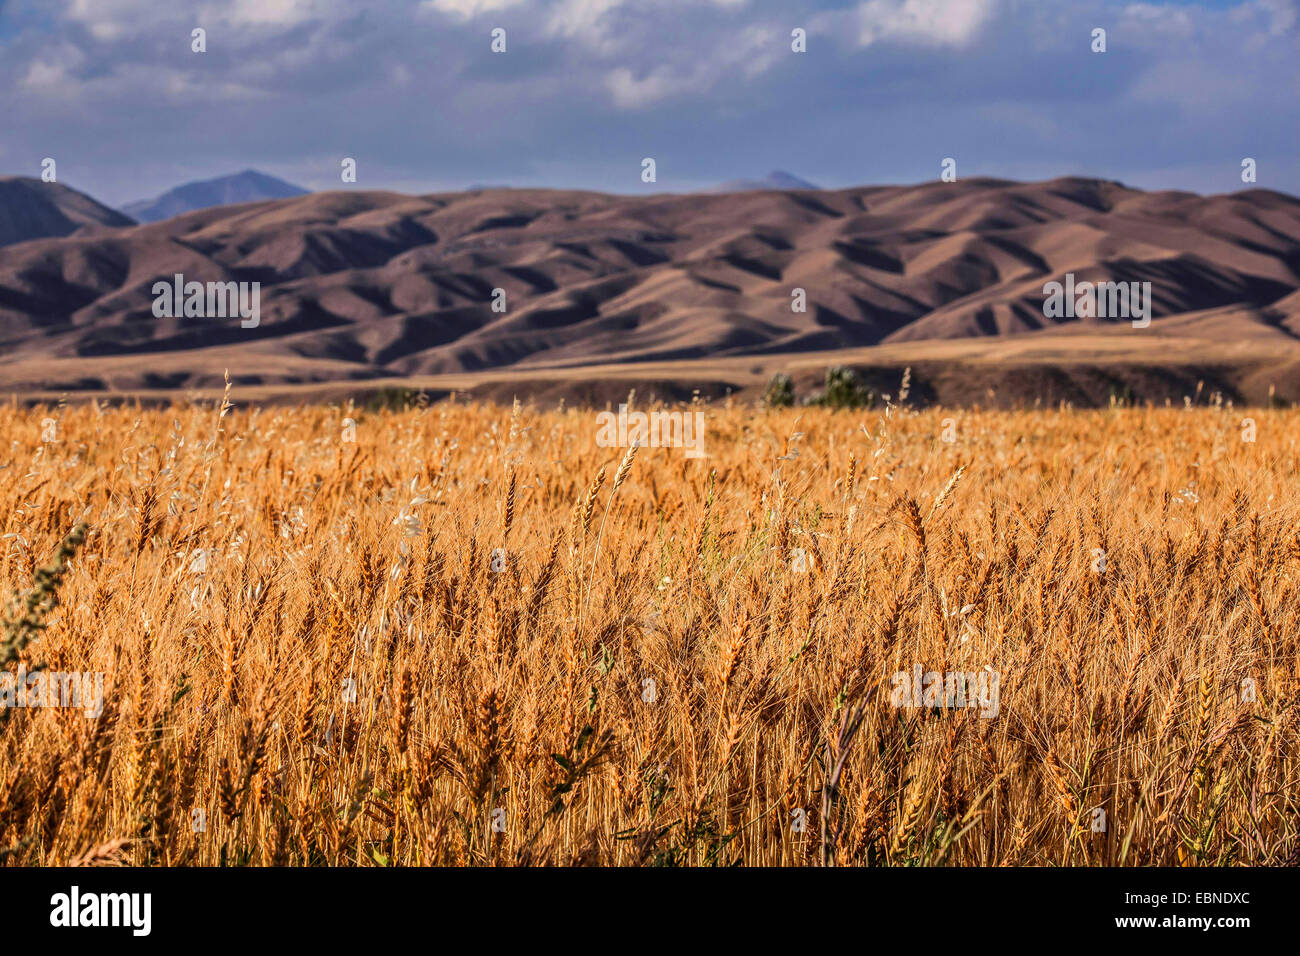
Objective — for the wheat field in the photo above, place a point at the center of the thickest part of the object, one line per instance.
(460, 634)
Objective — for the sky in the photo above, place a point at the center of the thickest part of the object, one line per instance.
(710, 89)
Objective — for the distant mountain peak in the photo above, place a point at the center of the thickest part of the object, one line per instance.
(777, 179)
(248, 185)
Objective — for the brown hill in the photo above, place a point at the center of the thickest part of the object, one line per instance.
(31, 209)
(379, 286)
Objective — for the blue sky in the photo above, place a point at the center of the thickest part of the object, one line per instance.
(710, 88)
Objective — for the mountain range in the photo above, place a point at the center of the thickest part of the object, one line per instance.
(365, 286)
(248, 186)
(777, 179)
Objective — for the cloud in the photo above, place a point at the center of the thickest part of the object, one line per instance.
(1284, 15)
(119, 20)
(1279, 17)
(748, 53)
(43, 75)
(53, 72)
(620, 28)
(108, 19)
(632, 92)
(468, 9)
(1147, 21)
(711, 87)
(280, 13)
(926, 22)
(587, 20)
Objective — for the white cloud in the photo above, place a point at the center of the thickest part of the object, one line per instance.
(925, 22)
(582, 19)
(467, 9)
(751, 52)
(1283, 15)
(54, 72)
(108, 19)
(280, 13)
(45, 77)
(1194, 86)
(1280, 16)
(1149, 21)
(606, 26)
(631, 93)
(112, 20)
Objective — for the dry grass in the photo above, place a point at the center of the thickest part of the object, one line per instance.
(241, 575)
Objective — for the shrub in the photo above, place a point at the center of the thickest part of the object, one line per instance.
(780, 392)
(843, 389)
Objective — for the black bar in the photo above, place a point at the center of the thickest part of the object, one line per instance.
(334, 906)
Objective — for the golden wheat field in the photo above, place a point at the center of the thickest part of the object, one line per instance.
(465, 634)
